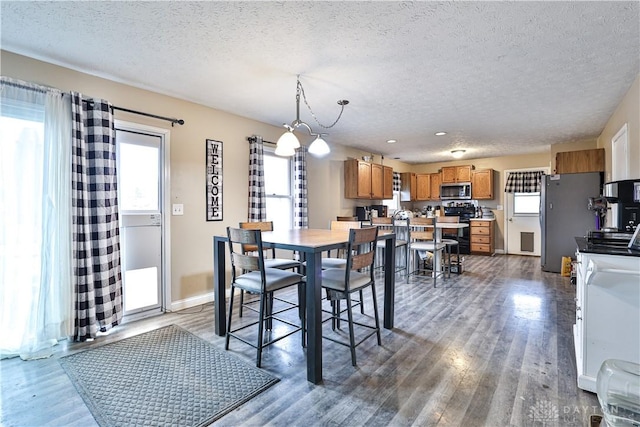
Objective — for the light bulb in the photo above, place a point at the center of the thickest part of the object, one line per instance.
(319, 147)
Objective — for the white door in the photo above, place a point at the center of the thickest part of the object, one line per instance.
(140, 194)
(619, 156)
(522, 221)
(523, 229)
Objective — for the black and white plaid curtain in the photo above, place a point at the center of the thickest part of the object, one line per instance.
(257, 198)
(397, 182)
(96, 236)
(300, 210)
(524, 182)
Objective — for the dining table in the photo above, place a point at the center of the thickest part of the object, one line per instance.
(310, 244)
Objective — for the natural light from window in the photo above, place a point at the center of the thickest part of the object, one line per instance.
(526, 203)
(277, 179)
(21, 152)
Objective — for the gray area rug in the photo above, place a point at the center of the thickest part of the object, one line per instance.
(166, 377)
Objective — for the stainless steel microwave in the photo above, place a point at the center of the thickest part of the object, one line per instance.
(458, 191)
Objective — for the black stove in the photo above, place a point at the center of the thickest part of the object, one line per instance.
(465, 212)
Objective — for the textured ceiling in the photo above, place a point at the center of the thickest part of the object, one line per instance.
(500, 77)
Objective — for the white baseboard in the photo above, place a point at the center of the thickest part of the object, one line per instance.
(192, 302)
(499, 251)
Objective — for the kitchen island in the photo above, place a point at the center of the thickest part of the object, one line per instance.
(607, 307)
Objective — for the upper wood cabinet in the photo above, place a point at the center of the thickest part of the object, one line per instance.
(436, 180)
(387, 182)
(377, 179)
(580, 161)
(408, 187)
(363, 180)
(452, 174)
(482, 184)
(423, 186)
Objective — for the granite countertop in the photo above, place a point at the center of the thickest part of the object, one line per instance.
(587, 247)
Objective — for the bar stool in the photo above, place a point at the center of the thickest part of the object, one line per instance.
(451, 242)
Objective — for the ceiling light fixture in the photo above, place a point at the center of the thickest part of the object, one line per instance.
(288, 142)
(391, 141)
(458, 153)
(440, 133)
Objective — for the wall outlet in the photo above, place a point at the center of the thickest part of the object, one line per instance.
(499, 208)
(178, 209)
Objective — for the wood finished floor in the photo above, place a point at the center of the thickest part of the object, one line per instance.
(491, 347)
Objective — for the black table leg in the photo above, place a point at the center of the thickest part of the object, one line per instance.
(219, 285)
(389, 281)
(314, 317)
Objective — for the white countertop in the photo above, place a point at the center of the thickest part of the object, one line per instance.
(482, 219)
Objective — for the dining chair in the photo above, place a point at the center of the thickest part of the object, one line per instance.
(273, 262)
(358, 275)
(340, 261)
(423, 238)
(450, 242)
(388, 225)
(249, 273)
(346, 218)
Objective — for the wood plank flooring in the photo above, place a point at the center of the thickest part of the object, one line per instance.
(490, 347)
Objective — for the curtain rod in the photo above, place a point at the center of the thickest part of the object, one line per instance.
(169, 119)
(253, 139)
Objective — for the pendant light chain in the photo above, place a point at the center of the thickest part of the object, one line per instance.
(342, 103)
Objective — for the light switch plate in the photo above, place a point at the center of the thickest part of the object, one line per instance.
(178, 209)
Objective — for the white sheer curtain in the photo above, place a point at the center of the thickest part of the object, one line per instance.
(36, 293)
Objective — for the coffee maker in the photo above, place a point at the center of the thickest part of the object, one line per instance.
(624, 200)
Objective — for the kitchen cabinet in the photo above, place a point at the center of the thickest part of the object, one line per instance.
(377, 183)
(580, 161)
(481, 235)
(482, 184)
(408, 186)
(453, 174)
(607, 313)
(364, 180)
(423, 186)
(436, 180)
(387, 182)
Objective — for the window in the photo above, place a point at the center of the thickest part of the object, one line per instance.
(526, 203)
(277, 181)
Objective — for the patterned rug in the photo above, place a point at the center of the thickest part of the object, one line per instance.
(166, 377)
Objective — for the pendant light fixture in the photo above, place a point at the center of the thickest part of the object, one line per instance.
(288, 142)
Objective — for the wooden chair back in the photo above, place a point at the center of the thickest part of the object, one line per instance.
(239, 238)
(361, 251)
(344, 225)
(257, 225)
(451, 219)
(346, 218)
(422, 228)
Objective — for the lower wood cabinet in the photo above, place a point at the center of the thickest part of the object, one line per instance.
(482, 241)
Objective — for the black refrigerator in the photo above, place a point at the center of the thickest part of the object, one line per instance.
(565, 214)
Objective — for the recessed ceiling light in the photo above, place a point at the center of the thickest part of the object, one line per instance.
(391, 141)
(440, 133)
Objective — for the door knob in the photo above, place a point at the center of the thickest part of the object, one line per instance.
(510, 219)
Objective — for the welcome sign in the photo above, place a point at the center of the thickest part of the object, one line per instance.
(214, 180)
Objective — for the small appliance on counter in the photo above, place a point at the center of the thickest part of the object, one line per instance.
(365, 213)
(624, 201)
(487, 213)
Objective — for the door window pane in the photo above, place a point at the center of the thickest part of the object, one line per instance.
(138, 174)
(526, 203)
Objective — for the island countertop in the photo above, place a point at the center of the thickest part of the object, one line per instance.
(585, 246)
